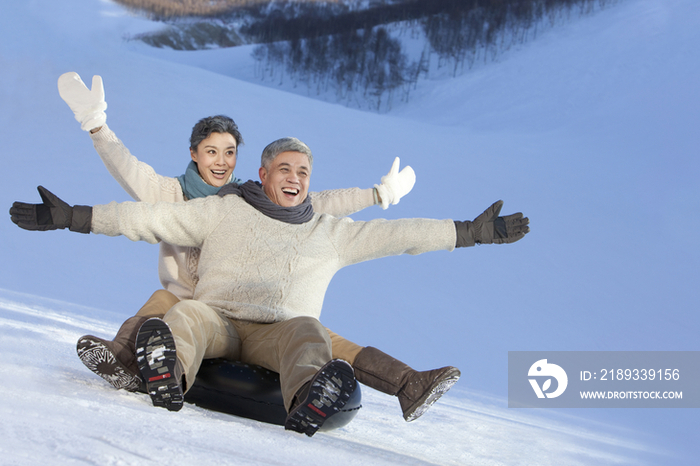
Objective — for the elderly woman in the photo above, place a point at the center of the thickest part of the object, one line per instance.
(213, 149)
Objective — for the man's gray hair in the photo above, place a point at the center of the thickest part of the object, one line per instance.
(275, 148)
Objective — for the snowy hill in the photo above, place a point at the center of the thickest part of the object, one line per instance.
(60, 414)
(590, 131)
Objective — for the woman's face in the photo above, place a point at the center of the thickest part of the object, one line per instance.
(216, 158)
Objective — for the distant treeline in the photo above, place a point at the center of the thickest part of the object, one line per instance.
(366, 67)
(318, 19)
(354, 56)
(354, 52)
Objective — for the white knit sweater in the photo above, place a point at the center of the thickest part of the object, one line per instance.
(177, 266)
(258, 269)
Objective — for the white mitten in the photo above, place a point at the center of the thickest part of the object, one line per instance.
(396, 184)
(88, 105)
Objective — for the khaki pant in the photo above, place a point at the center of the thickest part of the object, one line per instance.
(296, 348)
(161, 301)
(158, 304)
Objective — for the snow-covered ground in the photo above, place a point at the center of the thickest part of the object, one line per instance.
(54, 412)
(591, 131)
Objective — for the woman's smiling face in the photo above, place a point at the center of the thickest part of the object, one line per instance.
(216, 158)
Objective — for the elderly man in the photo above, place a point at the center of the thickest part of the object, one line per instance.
(267, 311)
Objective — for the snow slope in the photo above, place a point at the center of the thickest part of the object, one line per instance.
(590, 131)
(60, 414)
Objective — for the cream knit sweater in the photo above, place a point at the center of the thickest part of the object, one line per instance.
(177, 266)
(258, 269)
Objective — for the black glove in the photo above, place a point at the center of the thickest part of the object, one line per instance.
(489, 228)
(52, 214)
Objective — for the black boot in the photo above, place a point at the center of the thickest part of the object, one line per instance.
(160, 369)
(322, 397)
(114, 361)
(417, 391)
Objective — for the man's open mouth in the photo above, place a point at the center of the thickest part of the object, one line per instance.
(291, 191)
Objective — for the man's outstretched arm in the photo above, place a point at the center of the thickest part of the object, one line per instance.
(361, 241)
(179, 223)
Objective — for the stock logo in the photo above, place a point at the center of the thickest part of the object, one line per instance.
(542, 369)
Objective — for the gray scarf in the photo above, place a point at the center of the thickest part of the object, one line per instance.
(252, 192)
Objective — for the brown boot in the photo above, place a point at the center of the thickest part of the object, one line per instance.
(114, 361)
(416, 391)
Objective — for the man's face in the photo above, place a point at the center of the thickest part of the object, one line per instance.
(286, 180)
(216, 158)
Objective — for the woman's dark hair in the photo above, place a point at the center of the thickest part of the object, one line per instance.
(214, 124)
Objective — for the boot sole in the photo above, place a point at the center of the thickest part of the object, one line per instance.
(156, 357)
(102, 361)
(440, 386)
(330, 390)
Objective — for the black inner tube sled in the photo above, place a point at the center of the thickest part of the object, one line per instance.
(253, 392)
